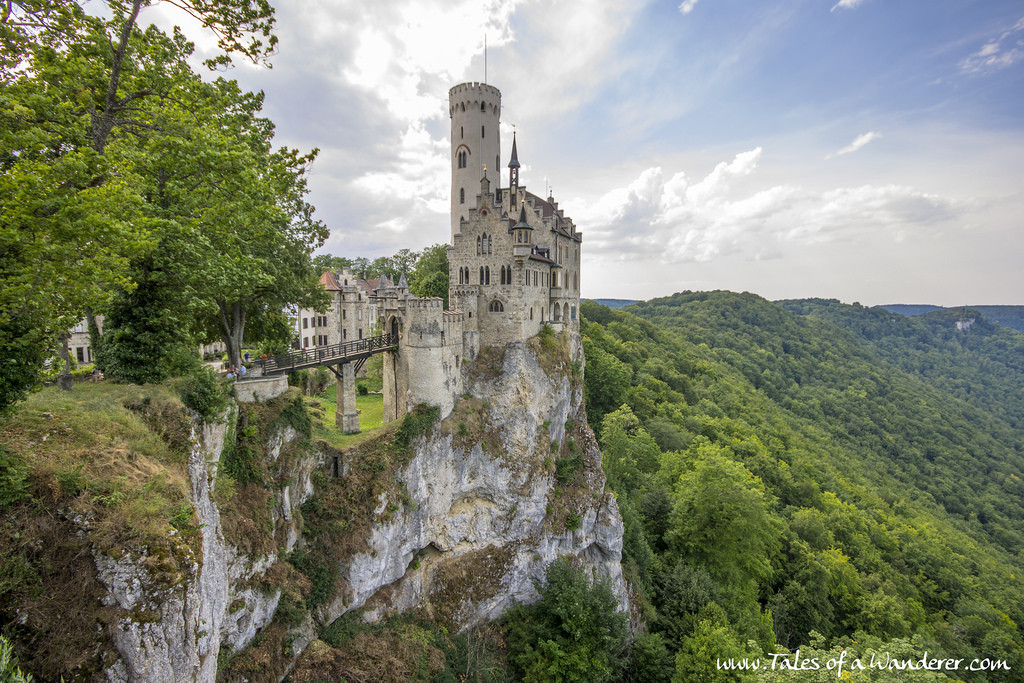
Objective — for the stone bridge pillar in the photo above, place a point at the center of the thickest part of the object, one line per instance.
(346, 415)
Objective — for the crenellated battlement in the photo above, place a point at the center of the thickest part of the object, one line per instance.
(424, 303)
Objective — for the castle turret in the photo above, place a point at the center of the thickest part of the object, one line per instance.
(475, 111)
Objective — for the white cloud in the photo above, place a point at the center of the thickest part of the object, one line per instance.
(687, 6)
(859, 142)
(672, 220)
(998, 53)
(846, 4)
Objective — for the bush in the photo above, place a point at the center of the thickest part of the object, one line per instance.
(574, 632)
(567, 469)
(416, 422)
(13, 479)
(203, 392)
(9, 671)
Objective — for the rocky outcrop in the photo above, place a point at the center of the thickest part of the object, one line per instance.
(477, 517)
(174, 630)
(460, 527)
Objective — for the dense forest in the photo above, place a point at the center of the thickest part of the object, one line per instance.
(812, 475)
(1007, 316)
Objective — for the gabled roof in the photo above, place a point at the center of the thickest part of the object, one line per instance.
(330, 281)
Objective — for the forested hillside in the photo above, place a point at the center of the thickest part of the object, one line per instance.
(788, 481)
(957, 350)
(1007, 316)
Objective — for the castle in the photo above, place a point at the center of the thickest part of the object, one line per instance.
(513, 266)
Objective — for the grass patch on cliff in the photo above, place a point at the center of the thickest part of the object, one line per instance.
(248, 475)
(342, 509)
(552, 351)
(102, 468)
(324, 407)
(402, 649)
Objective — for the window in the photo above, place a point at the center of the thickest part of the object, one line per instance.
(482, 134)
(343, 314)
(487, 275)
(305, 323)
(477, 246)
(360, 333)
(462, 133)
(490, 244)
(481, 274)
(462, 195)
(496, 307)
(80, 353)
(483, 107)
(344, 334)
(305, 342)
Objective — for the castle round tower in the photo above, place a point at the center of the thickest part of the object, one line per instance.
(475, 111)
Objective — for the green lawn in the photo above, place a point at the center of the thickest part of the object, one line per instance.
(371, 415)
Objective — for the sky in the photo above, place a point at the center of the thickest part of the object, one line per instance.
(870, 151)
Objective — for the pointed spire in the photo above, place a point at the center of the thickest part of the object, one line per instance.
(514, 163)
(403, 283)
(513, 171)
(522, 224)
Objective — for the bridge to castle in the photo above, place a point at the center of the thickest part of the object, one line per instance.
(356, 352)
(349, 355)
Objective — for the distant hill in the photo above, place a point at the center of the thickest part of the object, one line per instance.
(614, 303)
(1007, 316)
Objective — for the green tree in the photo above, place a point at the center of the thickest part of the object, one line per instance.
(721, 520)
(630, 453)
(429, 276)
(573, 633)
(70, 85)
(703, 654)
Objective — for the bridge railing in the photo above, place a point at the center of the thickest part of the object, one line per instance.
(328, 354)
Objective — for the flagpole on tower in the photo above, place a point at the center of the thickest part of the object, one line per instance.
(485, 58)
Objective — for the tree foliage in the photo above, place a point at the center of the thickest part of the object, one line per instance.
(119, 165)
(573, 633)
(840, 472)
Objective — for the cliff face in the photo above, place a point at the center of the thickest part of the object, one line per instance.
(453, 517)
(481, 511)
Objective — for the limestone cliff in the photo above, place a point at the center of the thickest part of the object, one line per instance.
(454, 517)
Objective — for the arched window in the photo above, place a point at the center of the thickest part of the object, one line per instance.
(462, 195)
(487, 275)
(481, 274)
(462, 106)
(573, 313)
(503, 275)
(490, 244)
(478, 246)
(496, 307)
(483, 107)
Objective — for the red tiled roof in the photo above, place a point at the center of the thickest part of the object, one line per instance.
(329, 281)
